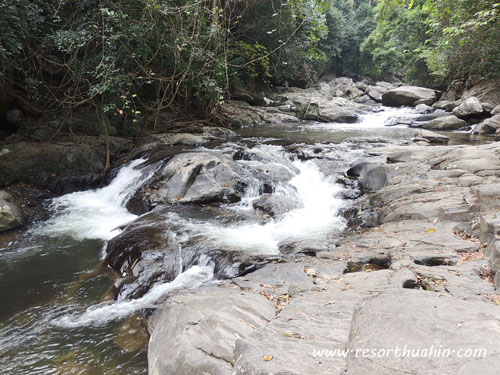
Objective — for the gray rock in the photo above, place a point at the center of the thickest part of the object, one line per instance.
(446, 104)
(404, 278)
(424, 108)
(489, 126)
(11, 215)
(345, 87)
(361, 85)
(274, 205)
(444, 123)
(487, 107)
(375, 93)
(178, 139)
(432, 137)
(371, 177)
(63, 167)
(486, 91)
(424, 320)
(409, 95)
(470, 107)
(198, 177)
(196, 333)
(493, 250)
(495, 111)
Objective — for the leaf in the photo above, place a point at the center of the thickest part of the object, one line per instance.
(432, 230)
(268, 357)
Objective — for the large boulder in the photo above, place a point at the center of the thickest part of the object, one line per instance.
(489, 126)
(470, 107)
(410, 95)
(345, 87)
(375, 92)
(147, 251)
(371, 176)
(444, 123)
(61, 167)
(197, 177)
(11, 215)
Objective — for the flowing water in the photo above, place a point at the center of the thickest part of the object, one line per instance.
(56, 313)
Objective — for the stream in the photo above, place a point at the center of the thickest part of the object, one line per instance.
(58, 315)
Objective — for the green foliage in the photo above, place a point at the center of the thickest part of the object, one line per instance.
(397, 42)
(349, 24)
(464, 39)
(436, 40)
(142, 56)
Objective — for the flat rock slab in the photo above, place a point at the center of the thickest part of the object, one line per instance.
(195, 333)
(423, 321)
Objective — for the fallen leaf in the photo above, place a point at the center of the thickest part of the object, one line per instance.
(268, 357)
(432, 230)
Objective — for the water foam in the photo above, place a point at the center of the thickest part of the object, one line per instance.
(317, 216)
(96, 214)
(106, 312)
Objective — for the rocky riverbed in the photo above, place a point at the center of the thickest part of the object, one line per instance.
(423, 275)
(327, 222)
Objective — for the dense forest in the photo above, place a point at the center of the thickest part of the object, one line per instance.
(137, 58)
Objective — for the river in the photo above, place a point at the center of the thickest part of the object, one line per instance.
(57, 314)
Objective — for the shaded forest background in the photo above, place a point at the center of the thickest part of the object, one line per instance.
(135, 59)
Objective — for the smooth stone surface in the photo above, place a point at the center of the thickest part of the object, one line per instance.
(409, 95)
(489, 126)
(471, 106)
(444, 123)
(433, 137)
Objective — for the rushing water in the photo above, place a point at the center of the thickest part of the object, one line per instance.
(57, 316)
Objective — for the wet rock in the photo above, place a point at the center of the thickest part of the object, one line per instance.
(432, 137)
(444, 123)
(275, 116)
(11, 215)
(175, 139)
(148, 251)
(409, 95)
(274, 205)
(470, 107)
(145, 252)
(132, 335)
(489, 126)
(63, 167)
(495, 111)
(197, 177)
